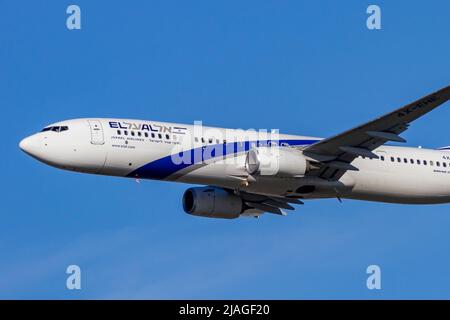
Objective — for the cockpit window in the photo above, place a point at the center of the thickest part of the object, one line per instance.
(56, 128)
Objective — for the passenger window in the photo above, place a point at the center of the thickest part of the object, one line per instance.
(418, 161)
(431, 163)
(159, 135)
(405, 160)
(382, 158)
(196, 139)
(217, 141)
(132, 133)
(146, 134)
(118, 132)
(210, 140)
(392, 159)
(125, 132)
(224, 141)
(203, 140)
(411, 160)
(399, 160)
(153, 135)
(438, 163)
(167, 137)
(444, 164)
(139, 134)
(424, 162)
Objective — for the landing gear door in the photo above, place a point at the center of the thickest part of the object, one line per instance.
(96, 132)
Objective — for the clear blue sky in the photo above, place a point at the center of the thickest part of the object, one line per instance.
(304, 67)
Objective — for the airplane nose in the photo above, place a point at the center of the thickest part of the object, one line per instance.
(30, 145)
(24, 145)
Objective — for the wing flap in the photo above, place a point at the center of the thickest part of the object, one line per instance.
(271, 204)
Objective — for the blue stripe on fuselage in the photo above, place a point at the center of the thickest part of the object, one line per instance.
(164, 167)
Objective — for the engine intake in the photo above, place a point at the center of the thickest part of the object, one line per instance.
(212, 202)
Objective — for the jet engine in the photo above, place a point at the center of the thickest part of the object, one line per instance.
(212, 202)
(274, 161)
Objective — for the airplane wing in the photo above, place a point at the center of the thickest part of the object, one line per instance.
(336, 153)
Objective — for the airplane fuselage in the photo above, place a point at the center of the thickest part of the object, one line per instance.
(217, 156)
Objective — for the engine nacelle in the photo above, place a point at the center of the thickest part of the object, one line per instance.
(275, 161)
(212, 202)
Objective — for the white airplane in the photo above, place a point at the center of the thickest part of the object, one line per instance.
(248, 173)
